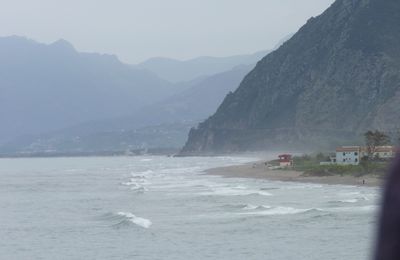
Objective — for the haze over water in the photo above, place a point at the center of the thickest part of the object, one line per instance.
(163, 208)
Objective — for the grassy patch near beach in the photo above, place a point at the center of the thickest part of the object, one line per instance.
(310, 166)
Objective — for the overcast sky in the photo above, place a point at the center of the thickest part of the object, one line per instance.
(135, 30)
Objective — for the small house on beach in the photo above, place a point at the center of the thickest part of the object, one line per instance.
(352, 155)
(383, 152)
(285, 160)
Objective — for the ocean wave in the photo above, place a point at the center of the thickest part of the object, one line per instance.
(182, 170)
(123, 219)
(139, 189)
(136, 181)
(245, 206)
(255, 207)
(142, 222)
(127, 218)
(354, 209)
(351, 193)
(271, 211)
(272, 188)
(343, 201)
(235, 192)
(142, 174)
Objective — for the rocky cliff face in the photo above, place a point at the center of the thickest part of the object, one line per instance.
(336, 77)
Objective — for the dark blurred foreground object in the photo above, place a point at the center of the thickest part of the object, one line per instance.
(388, 240)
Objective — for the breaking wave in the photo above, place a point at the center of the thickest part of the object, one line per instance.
(122, 219)
(142, 222)
(255, 207)
(271, 211)
(236, 191)
(245, 207)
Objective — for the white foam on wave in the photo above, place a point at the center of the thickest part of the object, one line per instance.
(139, 189)
(146, 160)
(271, 211)
(174, 183)
(352, 193)
(349, 201)
(235, 191)
(137, 185)
(142, 174)
(136, 181)
(344, 201)
(255, 207)
(142, 222)
(367, 208)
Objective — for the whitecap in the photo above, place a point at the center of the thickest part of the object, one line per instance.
(255, 207)
(249, 207)
(354, 209)
(344, 201)
(139, 189)
(136, 181)
(235, 191)
(279, 211)
(349, 201)
(142, 222)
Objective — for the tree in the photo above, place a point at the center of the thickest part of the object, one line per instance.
(375, 139)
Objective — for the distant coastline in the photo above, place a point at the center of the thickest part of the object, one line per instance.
(155, 151)
(258, 170)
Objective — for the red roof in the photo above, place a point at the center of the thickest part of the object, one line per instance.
(285, 157)
(348, 149)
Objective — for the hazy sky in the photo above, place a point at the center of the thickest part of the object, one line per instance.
(138, 29)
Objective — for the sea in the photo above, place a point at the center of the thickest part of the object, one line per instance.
(158, 207)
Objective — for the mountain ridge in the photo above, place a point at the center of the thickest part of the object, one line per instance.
(48, 86)
(324, 86)
(175, 70)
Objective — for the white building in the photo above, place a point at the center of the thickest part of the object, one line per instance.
(382, 152)
(348, 155)
(352, 155)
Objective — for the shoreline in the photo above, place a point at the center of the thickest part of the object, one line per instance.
(257, 170)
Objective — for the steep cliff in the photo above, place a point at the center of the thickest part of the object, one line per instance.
(336, 77)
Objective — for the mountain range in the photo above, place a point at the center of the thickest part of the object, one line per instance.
(48, 87)
(337, 77)
(55, 98)
(177, 71)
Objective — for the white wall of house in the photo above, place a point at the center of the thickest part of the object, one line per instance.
(384, 152)
(348, 157)
(384, 155)
(285, 164)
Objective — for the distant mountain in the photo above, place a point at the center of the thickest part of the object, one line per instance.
(164, 124)
(338, 76)
(198, 101)
(48, 87)
(176, 70)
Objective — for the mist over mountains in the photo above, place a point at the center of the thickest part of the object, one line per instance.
(337, 77)
(57, 99)
(177, 71)
(48, 87)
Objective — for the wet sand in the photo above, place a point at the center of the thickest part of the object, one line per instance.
(258, 170)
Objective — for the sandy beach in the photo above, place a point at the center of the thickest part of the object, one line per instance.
(259, 171)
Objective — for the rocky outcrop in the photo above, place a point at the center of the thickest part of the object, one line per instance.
(336, 77)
